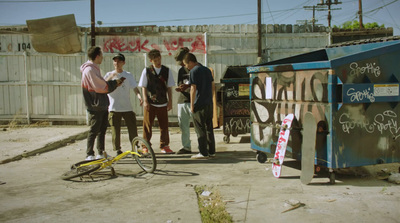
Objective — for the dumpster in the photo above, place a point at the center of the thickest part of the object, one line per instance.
(353, 94)
(235, 102)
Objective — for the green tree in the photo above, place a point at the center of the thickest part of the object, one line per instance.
(356, 25)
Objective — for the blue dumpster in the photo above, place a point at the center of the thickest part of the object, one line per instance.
(352, 92)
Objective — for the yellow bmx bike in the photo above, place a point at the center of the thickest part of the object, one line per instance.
(147, 161)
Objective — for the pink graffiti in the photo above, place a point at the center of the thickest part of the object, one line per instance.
(119, 44)
(173, 44)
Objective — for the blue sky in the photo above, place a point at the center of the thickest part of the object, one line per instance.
(203, 12)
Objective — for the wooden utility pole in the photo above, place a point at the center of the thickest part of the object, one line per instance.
(360, 14)
(314, 8)
(259, 28)
(329, 3)
(93, 27)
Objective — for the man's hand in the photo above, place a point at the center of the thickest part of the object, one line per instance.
(146, 105)
(169, 106)
(120, 81)
(182, 87)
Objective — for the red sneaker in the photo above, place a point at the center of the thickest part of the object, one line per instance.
(145, 150)
(167, 150)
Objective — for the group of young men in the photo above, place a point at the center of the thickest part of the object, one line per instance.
(107, 100)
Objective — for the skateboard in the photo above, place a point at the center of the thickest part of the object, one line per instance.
(308, 148)
(281, 145)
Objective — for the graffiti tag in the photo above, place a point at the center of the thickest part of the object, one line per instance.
(369, 68)
(144, 45)
(360, 95)
(384, 122)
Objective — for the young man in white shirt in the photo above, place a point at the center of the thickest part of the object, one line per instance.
(120, 102)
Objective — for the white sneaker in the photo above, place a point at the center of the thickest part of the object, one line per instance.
(101, 156)
(89, 158)
(199, 156)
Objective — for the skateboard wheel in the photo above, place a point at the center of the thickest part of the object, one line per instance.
(261, 157)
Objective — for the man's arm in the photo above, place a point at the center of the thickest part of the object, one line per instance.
(192, 96)
(169, 106)
(146, 104)
(137, 92)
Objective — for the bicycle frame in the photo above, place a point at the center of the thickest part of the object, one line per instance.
(105, 162)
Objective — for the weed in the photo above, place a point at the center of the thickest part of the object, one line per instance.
(212, 208)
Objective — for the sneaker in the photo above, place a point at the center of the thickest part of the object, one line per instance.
(101, 156)
(119, 152)
(145, 150)
(199, 156)
(167, 150)
(184, 151)
(211, 155)
(89, 158)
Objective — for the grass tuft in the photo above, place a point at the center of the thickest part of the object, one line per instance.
(212, 208)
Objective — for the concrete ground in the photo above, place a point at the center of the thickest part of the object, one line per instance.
(34, 159)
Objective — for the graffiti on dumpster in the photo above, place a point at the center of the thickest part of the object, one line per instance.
(139, 44)
(369, 68)
(360, 95)
(237, 125)
(385, 122)
(307, 87)
(237, 108)
(232, 92)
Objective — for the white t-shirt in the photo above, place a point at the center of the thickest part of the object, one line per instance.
(120, 100)
(143, 82)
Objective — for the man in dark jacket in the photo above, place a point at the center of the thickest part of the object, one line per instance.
(95, 90)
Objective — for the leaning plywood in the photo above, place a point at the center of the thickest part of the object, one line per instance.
(55, 35)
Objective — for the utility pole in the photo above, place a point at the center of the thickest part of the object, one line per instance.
(318, 8)
(259, 29)
(93, 28)
(329, 3)
(360, 14)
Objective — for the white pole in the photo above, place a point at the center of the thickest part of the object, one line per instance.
(205, 55)
(27, 88)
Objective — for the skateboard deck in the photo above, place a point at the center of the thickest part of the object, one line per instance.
(281, 145)
(308, 148)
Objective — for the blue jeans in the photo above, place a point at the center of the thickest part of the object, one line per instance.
(184, 118)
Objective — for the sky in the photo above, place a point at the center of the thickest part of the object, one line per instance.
(203, 12)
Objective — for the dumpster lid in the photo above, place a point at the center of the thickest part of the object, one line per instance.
(330, 57)
(236, 72)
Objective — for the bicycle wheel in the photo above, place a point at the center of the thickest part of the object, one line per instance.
(147, 161)
(77, 171)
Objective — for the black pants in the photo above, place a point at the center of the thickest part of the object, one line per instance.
(98, 121)
(202, 121)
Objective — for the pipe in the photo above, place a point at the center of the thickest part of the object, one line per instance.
(28, 117)
(206, 49)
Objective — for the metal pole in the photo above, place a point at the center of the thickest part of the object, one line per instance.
(28, 115)
(92, 29)
(205, 55)
(259, 27)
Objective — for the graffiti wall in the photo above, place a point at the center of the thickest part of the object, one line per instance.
(144, 44)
